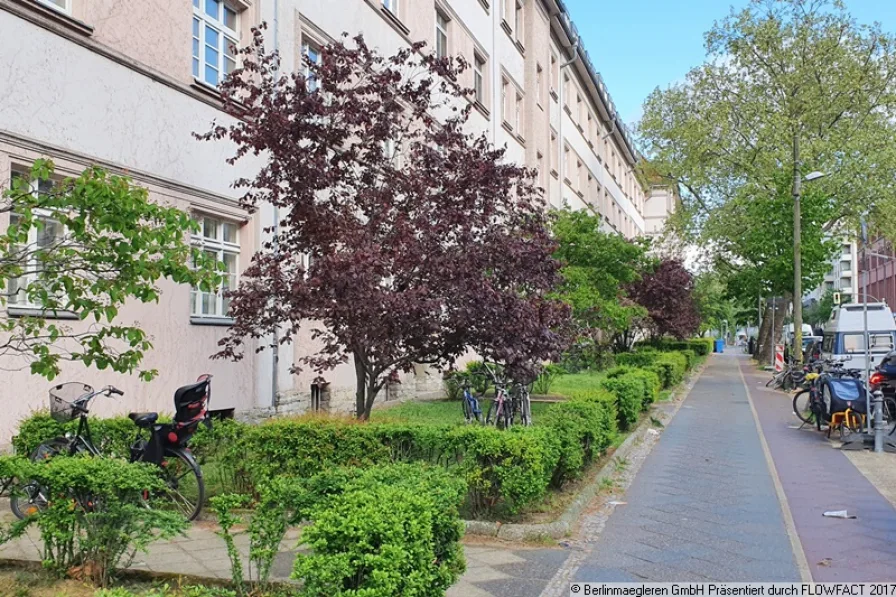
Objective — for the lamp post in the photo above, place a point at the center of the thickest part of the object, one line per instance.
(797, 257)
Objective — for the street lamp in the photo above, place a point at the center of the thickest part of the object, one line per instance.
(797, 259)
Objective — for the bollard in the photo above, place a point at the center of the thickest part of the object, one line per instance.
(878, 421)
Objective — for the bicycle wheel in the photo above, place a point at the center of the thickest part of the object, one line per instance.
(491, 418)
(185, 488)
(889, 407)
(468, 411)
(802, 407)
(31, 497)
(525, 410)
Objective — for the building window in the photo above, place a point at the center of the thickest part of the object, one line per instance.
(578, 114)
(220, 241)
(214, 40)
(566, 91)
(505, 108)
(578, 175)
(39, 242)
(539, 83)
(312, 52)
(553, 150)
(478, 78)
(441, 35)
(518, 114)
(63, 5)
(391, 6)
(518, 21)
(566, 160)
(555, 73)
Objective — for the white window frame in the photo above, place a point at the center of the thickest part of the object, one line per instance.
(479, 78)
(220, 247)
(66, 5)
(442, 22)
(199, 64)
(26, 280)
(309, 46)
(392, 6)
(518, 113)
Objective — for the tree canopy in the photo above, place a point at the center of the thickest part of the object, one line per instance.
(403, 238)
(82, 247)
(597, 268)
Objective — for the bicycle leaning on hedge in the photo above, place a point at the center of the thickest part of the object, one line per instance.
(166, 446)
(472, 411)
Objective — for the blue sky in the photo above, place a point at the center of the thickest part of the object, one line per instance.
(638, 45)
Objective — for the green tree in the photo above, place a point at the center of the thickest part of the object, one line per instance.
(788, 87)
(83, 247)
(597, 267)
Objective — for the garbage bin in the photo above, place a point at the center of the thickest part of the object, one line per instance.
(720, 345)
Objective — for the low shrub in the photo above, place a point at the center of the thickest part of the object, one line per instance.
(652, 386)
(585, 428)
(629, 392)
(690, 358)
(96, 519)
(640, 358)
(547, 377)
(480, 376)
(701, 346)
(674, 365)
(113, 435)
(454, 384)
(391, 531)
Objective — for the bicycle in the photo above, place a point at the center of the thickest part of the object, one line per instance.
(521, 403)
(166, 446)
(471, 404)
(500, 412)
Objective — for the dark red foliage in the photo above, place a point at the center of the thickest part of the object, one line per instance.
(417, 255)
(668, 295)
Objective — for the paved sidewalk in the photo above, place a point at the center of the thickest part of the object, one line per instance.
(816, 478)
(704, 504)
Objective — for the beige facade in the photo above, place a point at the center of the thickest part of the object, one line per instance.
(125, 84)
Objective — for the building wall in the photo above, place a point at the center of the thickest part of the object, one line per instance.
(111, 83)
(83, 97)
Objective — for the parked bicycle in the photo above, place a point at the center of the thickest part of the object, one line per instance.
(521, 404)
(500, 412)
(164, 445)
(472, 411)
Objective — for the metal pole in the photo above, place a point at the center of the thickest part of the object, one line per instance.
(771, 331)
(797, 256)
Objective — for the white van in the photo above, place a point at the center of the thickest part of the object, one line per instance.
(844, 334)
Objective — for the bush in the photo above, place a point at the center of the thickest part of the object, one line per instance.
(640, 358)
(652, 386)
(480, 376)
(546, 378)
(454, 384)
(394, 531)
(629, 392)
(701, 346)
(690, 358)
(585, 428)
(113, 436)
(96, 518)
(587, 355)
(674, 365)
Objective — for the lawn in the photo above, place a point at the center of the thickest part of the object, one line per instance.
(448, 412)
(576, 382)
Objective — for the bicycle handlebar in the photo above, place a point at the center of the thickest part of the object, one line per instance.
(108, 391)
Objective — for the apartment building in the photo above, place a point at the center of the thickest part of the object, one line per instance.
(843, 277)
(662, 201)
(125, 84)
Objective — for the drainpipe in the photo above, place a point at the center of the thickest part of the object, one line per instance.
(275, 348)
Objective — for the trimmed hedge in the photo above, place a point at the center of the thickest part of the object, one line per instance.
(690, 358)
(640, 358)
(651, 380)
(674, 366)
(384, 531)
(629, 392)
(585, 427)
(701, 346)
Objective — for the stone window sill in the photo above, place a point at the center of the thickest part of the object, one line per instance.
(31, 8)
(213, 321)
(13, 311)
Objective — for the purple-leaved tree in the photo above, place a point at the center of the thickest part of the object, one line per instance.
(423, 242)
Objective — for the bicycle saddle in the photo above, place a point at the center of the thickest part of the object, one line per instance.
(144, 420)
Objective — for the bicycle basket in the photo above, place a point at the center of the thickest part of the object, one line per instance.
(62, 397)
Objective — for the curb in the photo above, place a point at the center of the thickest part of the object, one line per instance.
(565, 523)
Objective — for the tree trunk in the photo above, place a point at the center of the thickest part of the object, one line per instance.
(360, 388)
(765, 345)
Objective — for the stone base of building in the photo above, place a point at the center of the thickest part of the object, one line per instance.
(422, 385)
